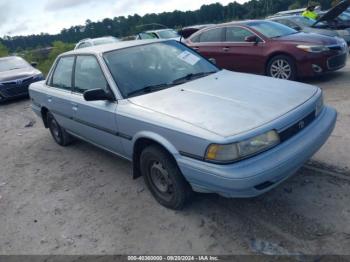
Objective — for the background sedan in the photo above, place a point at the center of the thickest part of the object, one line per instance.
(15, 76)
(265, 47)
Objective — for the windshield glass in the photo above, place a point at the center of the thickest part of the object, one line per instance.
(12, 63)
(344, 16)
(166, 34)
(271, 29)
(104, 41)
(301, 20)
(154, 65)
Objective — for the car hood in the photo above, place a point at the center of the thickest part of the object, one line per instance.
(321, 31)
(228, 103)
(18, 74)
(309, 38)
(334, 12)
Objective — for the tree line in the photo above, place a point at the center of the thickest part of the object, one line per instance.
(122, 26)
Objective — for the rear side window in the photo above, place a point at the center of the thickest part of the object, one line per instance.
(88, 74)
(62, 77)
(237, 34)
(85, 44)
(213, 35)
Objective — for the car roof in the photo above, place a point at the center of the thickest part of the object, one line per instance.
(100, 49)
(158, 30)
(243, 22)
(93, 39)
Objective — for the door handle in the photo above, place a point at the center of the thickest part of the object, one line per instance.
(74, 106)
(195, 48)
(226, 49)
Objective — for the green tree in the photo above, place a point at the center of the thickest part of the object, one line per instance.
(3, 50)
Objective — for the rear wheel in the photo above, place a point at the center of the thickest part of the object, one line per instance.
(282, 67)
(58, 133)
(163, 178)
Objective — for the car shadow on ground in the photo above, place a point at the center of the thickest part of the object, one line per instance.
(294, 214)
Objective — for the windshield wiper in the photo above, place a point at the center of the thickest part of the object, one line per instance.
(150, 89)
(190, 77)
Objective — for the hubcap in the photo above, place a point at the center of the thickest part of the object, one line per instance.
(160, 178)
(281, 69)
(55, 129)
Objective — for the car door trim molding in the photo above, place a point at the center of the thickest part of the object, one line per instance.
(106, 130)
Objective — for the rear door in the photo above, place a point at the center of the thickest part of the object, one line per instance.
(240, 55)
(59, 92)
(95, 121)
(210, 44)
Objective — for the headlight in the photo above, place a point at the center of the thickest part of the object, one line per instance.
(236, 151)
(319, 106)
(313, 48)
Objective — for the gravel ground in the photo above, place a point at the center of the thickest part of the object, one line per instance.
(81, 200)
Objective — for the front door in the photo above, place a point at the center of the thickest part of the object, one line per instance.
(94, 120)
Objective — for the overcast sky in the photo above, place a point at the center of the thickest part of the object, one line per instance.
(23, 17)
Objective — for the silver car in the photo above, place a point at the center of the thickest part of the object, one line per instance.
(185, 124)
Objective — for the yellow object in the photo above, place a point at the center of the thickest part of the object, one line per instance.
(310, 14)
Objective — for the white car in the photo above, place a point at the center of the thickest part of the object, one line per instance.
(88, 42)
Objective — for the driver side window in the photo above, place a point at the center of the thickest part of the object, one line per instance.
(88, 74)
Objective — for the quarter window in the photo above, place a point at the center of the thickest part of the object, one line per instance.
(62, 77)
(88, 74)
(237, 34)
(213, 35)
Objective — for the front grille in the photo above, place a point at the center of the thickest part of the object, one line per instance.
(336, 62)
(19, 82)
(16, 90)
(297, 127)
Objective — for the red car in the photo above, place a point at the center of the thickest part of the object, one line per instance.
(269, 48)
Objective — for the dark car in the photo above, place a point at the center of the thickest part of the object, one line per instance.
(306, 25)
(15, 76)
(331, 23)
(186, 32)
(269, 48)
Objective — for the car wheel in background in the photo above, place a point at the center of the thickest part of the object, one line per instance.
(281, 67)
(163, 178)
(58, 133)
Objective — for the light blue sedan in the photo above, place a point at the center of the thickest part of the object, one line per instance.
(185, 124)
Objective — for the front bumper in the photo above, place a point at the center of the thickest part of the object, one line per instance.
(309, 65)
(257, 175)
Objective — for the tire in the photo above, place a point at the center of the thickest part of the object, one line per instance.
(58, 133)
(163, 178)
(282, 67)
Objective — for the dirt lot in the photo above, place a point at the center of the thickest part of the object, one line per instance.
(81, 200)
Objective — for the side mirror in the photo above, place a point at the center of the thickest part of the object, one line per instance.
(34, 64)
(213, 60)
(252, 39)
(98, 95)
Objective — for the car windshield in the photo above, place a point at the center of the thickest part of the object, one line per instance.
(148, 68)
(166, 34)
(271, 29)
(344, 16)
(301, 20)
(12, 63)
(147, 36)
(104, 41)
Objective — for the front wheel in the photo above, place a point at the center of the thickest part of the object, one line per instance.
(163, 178)
(281, 67)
